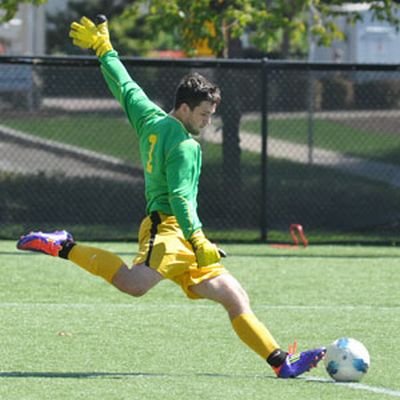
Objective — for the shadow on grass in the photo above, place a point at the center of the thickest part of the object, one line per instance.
(75, 375)
(121, 375)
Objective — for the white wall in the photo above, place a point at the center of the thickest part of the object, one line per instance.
(25, 33)
(368, 41)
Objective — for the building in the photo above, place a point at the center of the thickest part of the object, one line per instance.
(25, 33)
(368, 41)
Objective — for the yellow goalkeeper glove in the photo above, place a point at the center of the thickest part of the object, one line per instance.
(206, 252)
(86, 35)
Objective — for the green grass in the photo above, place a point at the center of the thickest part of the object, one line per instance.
(68, 335)
(104, 134)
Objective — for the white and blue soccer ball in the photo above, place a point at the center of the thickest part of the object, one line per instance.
(347, 360)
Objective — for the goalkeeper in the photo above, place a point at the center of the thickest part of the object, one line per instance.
(172, 244)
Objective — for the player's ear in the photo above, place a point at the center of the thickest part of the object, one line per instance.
(185, 108)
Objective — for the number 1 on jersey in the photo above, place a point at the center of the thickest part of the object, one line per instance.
(149, 165)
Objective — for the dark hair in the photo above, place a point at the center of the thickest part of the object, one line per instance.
(195, 88)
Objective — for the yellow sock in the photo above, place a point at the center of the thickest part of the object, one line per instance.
(96, 261)
(252, 332)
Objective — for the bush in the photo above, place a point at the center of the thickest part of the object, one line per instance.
(337, 93)
(382, 94)
(39, 199)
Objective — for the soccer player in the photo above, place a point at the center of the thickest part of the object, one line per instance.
(172, 244)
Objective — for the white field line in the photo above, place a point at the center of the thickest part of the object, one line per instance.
(347, 307)
(357, 386)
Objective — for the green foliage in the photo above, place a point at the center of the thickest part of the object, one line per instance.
(132, 35)
(274, 25)
(27, 199)
(10, 7)
(140, 26)
(192, 21)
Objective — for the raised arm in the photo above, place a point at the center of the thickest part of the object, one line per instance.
(88, 35)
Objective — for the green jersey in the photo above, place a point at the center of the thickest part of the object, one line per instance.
(171, 158)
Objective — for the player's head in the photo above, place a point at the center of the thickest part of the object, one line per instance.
(195, 88)
(196, 99)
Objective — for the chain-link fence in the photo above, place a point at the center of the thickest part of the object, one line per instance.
(313, 144)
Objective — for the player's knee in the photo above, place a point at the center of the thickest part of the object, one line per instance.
(124, 282)
(133, 290)
(138, 292)
(236, 301)
(236, 308)
(237, 294)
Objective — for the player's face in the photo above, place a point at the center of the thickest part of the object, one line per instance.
(200, 117)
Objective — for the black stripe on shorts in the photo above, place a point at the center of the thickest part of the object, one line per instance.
(155, 221)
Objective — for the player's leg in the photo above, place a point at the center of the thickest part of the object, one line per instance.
(227, 291)
(136, 281)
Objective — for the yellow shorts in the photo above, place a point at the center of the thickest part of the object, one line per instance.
(163, 247)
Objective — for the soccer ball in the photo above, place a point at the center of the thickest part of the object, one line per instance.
(347, 360)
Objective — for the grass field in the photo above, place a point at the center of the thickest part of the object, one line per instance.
(111, 136)
(68, 335)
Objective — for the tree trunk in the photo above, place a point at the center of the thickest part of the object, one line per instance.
(230, 110)
(285, 45)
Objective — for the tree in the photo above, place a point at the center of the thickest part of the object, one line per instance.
(273, 24)
(134, 36)
(10, 7)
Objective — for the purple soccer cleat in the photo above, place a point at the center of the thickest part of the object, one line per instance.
(297, 364)
(47, 243)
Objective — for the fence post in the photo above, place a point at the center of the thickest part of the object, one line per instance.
(264, 143)
(310, 109)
